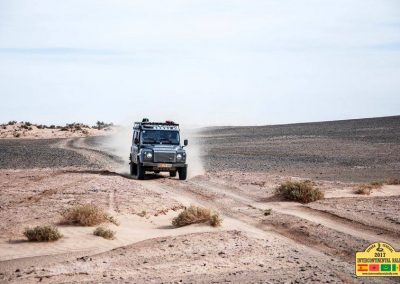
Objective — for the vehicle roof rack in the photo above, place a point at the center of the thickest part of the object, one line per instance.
(168, 125)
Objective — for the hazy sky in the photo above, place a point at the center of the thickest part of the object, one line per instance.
(205, 62)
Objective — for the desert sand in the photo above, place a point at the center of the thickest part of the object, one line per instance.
(294, 243)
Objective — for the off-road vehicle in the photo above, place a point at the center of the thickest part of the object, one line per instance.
(156, 148)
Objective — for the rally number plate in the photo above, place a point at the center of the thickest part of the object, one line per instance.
(164, 165)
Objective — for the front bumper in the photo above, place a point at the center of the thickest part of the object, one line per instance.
(164, 166)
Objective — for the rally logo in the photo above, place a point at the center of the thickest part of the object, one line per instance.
(379, 259)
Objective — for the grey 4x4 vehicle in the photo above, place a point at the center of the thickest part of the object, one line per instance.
(156, 148)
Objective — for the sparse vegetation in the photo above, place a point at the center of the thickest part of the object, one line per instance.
(101, 124)
(86, 215)
(12, 122)
(215, 220)
(301, 191)
(363, 190)
(104, 233)
(195, 215)
(46, 233)
(366, 189)
(267, 212)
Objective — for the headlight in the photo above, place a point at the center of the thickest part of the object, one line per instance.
(179, 156)
(149, 155)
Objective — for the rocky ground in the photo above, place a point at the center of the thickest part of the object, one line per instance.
(349, 150)
(263, 239)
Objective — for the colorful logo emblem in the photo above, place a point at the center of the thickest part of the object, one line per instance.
(379, 259)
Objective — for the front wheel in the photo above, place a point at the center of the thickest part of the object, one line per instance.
(133, 169)
(140, 171)
(182, 173)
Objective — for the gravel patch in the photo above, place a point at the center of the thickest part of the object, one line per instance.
(43, 153)
(351, 150)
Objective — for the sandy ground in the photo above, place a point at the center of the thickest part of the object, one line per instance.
(296, 243)
(22, 131)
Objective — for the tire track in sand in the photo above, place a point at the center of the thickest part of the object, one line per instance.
(327, 219)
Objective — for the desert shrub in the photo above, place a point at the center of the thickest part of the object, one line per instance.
(363, 190)
(393, 181)
(267, 212)
(64, 128)
(86, 215)
(52, 126)
(215, 220)
(27, 123)
(367, 188)
(44, 233)
(104, 233)
(16, 134)
(101, 124)
(12, 122)
(301, 191)
(196, 214)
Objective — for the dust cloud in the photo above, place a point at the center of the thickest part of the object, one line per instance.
(119, 144)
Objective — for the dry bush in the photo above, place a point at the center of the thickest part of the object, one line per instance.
(215, 220)
(301, 191)
(267, 212)
(366, 189)
(44, 233)
(393, 181)
(86, 215)
(197, 214)
(104, 233)
(363, 190)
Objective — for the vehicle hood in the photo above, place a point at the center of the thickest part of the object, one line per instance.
(162, 148)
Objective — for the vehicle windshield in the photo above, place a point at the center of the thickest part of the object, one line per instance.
(160, 137)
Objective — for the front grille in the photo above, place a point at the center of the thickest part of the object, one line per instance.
(164, 157)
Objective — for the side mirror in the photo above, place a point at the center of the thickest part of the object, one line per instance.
(185, 142)
(136, 141)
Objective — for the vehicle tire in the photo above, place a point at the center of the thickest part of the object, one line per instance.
(131, 169)
(172, 174)
(182, 173)
(140, 171)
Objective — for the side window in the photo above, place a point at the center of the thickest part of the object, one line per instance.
(136, 134)
(134, 137)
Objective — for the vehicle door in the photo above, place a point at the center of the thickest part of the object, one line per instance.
(135, 146)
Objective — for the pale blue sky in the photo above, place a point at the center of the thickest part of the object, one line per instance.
(205, 62)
